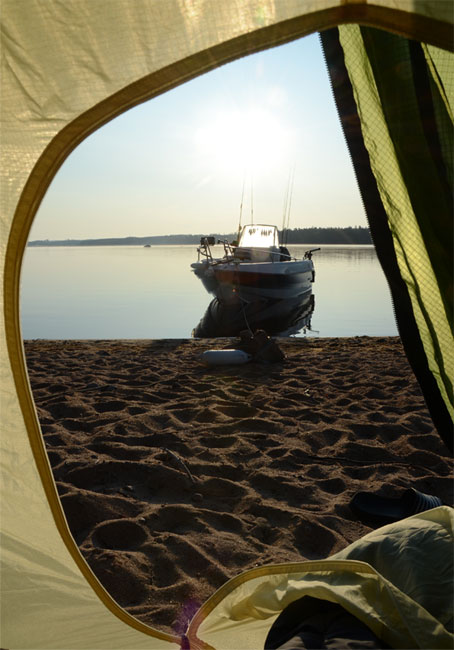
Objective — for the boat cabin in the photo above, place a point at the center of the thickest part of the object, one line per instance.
(258, 243)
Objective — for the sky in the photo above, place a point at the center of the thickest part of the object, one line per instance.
(259, 137)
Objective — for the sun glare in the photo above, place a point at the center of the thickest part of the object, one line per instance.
(253, 140)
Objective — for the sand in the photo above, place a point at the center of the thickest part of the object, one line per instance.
(175, 477)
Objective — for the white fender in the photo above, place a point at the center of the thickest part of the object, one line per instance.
(225, 357)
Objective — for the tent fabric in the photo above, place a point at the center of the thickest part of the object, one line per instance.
(67, 69)
(398, 580)
(395, 101)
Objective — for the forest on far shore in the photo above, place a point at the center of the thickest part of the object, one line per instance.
(350, 235)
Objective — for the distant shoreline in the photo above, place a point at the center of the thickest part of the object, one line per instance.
(324, 236)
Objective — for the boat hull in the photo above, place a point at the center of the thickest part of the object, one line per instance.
(279, 280)
(204, 271)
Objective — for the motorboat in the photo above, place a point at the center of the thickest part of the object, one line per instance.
(257, 266)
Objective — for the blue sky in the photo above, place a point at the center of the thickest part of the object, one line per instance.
(178, 163)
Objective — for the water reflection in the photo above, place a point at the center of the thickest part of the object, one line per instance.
(277, 317)
(147, 293)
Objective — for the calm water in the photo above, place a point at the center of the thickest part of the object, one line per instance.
(133, 292)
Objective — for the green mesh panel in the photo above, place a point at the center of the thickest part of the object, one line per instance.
(403, 93)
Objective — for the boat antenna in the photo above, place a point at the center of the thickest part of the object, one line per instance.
(285, 207)
(289, 205)
(241, 206)
(252, 201)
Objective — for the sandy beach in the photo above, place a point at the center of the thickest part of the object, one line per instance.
(175, 477)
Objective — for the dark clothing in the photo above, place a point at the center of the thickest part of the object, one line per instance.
(310, 623)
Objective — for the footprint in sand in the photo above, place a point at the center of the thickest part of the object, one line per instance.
(112, 405)
(197, 560)
(268, 485)
(223, 489)
(119, 451)
(208, 416)
(223, 521)
(315, 472)
(378, 416)
(360, 473)
(378, 431)
(136, 410)
(424, 442)
(419, 423)
(277, 517)
(121, 574)
(263, 532)
(67, 409)
(285, 464)
(166, 572)
(238, 411)
(332, 486)
(178, 519)
(259, 425)
(58, 439)
(84, 509)
(185, 414)
(219, 442)
(54, 457)
(121, 534)
(277, 452)
(310, 537)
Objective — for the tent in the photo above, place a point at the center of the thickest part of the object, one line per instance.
(70, 67)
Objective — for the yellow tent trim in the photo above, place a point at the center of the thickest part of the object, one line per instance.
(383, 14)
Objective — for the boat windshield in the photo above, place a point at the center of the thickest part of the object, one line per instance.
(259, 236)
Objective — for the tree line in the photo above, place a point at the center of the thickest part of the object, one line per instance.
(350, 235)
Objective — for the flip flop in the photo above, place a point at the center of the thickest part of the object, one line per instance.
(385, 510)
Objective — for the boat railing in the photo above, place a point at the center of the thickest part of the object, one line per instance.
(231, 251)
(282, 253)
(204, 249)
(277, 254)
(228, 247)
(308, 254)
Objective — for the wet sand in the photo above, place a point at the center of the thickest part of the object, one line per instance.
(175, 477)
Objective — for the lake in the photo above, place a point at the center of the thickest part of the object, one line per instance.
(131, 292)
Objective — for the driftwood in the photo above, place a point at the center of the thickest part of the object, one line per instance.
(180, 462)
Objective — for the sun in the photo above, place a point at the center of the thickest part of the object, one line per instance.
(252, 140)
